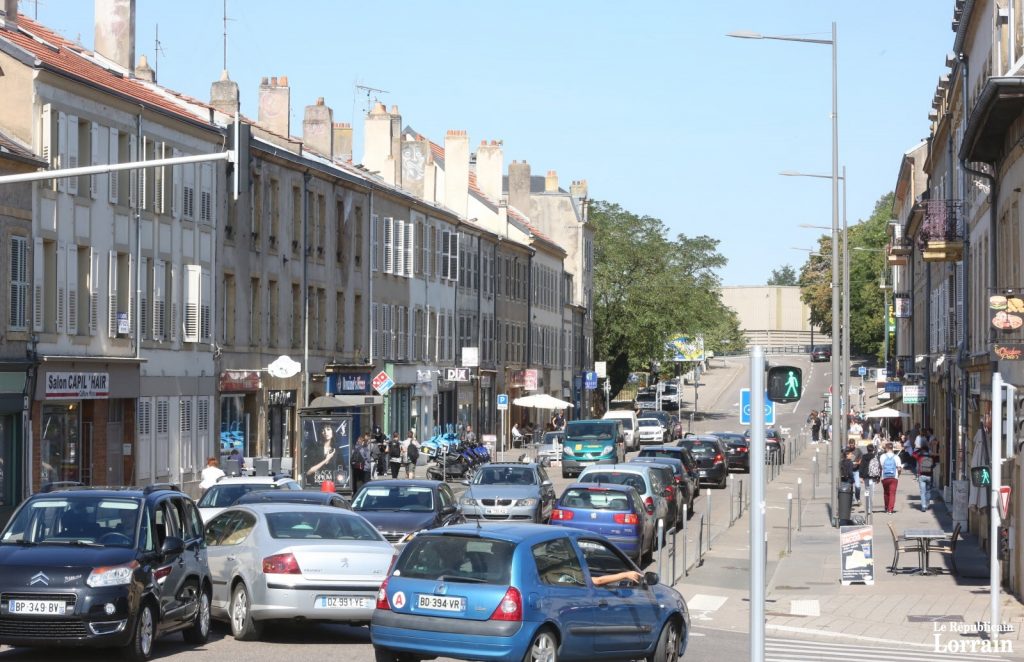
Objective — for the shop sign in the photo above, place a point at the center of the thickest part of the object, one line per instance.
(281, 398)
(239, 380)
(1007, 352)
(78, 385)
(857, 555)
(424, 376)
(915, 394)
(352, 383)
(382, 382)
(902, 306)
(601, 368)
(456, 374)
(893, 387)
(524, 379)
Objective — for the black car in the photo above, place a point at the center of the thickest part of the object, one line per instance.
(710, 453)
(681, 488)
(691, 477)
(773, 446)
(821, 353)
(295, 496)
(401, 508)
(737, 448)
(104, 567)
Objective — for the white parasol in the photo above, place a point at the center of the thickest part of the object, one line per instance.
(541, 401)
(886, 412)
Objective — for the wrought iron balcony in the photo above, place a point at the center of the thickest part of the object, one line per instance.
(940, 237)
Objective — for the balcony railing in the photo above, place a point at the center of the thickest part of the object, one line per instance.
(941, 235)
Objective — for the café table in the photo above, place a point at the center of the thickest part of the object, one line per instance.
(925, 537)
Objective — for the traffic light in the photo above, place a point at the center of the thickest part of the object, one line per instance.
(785, 383)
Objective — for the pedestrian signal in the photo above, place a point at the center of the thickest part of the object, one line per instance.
(981, 477)
(785, 383)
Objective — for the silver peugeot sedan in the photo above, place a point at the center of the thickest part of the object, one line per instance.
(282, 561)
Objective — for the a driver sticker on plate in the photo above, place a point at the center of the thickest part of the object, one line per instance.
(398, 600)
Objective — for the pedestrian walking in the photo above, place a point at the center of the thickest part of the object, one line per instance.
(360, 460)
(411, 451)
(925, 467)
(211, 474)
(815, 422)
(395, 460)
(857, 454)
(890, 464)
(870, 472)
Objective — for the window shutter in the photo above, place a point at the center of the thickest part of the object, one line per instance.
(146, 175)
(389, 249)
(112, 296)
(374, 243)
(18, 253)
(428, 248)
(72, 152)
(206, 193)
(422, 235)
(453, 256)
(374, 332)
(205, 308)
(62, 149)
(94, 291)
(62, 285)
(193, 283)
(188, 195)
(410, 252)
(399, 250)
(113, 177)
(97, 147)
(176, 187)
(131, 294)
(172, 294)
(48, 135)
(72, 321)
(436, 269)
(961, 321)
(133, 175)
(159, 279)
(445, 261)
(144, 307)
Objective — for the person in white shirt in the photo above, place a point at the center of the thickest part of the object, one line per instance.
(211, 474)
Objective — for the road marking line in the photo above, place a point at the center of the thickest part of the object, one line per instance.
(857, 637)
(703, 602)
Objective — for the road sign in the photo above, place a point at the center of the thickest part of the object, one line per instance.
(502, 401)
(1004, 501)
(769, 408)
(862, 371)
(457, 374)
(382, 382)
(590, 380)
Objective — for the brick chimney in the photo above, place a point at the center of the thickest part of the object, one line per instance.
(10, 19)
(143, 71)
(224, 94)
(456, 171)
(115, 31)
(275, 105)
(342, 142)
(551, 182)
(318, 128)
(489, 166)
(578, 189)
(377, 154)
(519, 186)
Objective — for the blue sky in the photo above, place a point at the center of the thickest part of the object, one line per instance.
(648, 101)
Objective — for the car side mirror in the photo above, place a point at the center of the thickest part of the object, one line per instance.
(651, 578)
(449, 510)
(173, 546)
(546, 483)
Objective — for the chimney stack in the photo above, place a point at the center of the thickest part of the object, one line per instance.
(143, 71)
(377, 154)
(551, 182)
(489, 166)
(396, 145)
(224, 94)
(456, 171)
(342, 142)
(275, 105)
(10, 20)
(318, 128)
(115, 31)
(519, 186)
(578, 189)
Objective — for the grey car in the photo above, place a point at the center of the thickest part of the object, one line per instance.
(509, 491)
(293, 561)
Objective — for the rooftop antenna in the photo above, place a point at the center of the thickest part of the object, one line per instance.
(157, 50)
(370, 92)
(226, 19)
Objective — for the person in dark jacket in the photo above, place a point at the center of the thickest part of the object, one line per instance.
(868, 481)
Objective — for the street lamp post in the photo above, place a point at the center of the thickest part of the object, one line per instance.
(757, 551)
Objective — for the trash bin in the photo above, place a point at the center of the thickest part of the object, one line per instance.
(845, 501)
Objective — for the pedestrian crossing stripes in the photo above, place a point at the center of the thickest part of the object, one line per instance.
(778, 650)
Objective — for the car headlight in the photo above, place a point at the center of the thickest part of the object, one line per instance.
(567, 450)
(467, 501)
(114, 575)
(526, 502)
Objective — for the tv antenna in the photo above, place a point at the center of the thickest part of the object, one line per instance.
(369, 92)
(157, 50)
(226, 19)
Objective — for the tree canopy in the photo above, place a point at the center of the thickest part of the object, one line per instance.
(649, 288)
(784, 275)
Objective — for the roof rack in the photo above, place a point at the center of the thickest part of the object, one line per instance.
(156, 487)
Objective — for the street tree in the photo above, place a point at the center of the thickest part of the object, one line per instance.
(784, 275)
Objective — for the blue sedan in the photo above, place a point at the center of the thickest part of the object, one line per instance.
(523, 592)
(614, 511)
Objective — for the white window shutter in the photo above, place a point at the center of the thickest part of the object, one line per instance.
(206, 307)
(97, 147)
(62, 149)
(399, 248)
(374, 332)
(145, 174)
(175, 300)
(133, 175)
(410, 236)
(961, 320)
(206, 193)
(48, 135)
(445, 261)
(62, 285)
(425, 255)
(159, 179)
(159, 278)
(112, 296)
(94, 291)
(144, 301)
(72, 151)
(389, 249)
(176, 187)
(131, 294)
(38, 275)
(114, 177)
(188, 195)
(72, 321)
(193, 283)
(453, 256)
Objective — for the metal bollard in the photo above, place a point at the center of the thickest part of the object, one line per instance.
(672, 554)
(814, 480)
(661, 547)
(741, 500)
(789, 524)
(732, 496)
(686, 513)
(708, 496)
(799, 505)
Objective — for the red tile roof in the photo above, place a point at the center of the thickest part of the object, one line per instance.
(71, 59)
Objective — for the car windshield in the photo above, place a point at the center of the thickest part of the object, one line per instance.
(412, 498)
(318, 525)
(589, 431)
(646, 397)
(648, 422)
(670, 389)
(222, 496)
(74, 520)
(616, 478)
(454, 559)
(595, 499)
(658, 452)
(505, 476)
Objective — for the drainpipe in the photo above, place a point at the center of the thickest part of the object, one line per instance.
(305, 286)
(138, 240)
(479, 323)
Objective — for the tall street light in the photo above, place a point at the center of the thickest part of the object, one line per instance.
(757, 552)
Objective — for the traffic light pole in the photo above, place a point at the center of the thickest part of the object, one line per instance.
(995, 572)
(757, 541)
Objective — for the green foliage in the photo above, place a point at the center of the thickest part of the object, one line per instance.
(784, 275)
(648, 288)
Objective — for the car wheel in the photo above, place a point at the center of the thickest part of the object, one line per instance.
(199, 631)
(667, 649)
(243, 628)
(140, 647)
(543, 647)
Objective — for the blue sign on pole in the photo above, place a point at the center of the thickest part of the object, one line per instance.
(769, 408)
(590, 380)
(503, 400)
(862, 371)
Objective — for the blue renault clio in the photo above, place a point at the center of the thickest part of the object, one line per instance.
(523, 592)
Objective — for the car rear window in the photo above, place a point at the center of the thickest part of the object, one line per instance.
(222, 496)
(700, 448)
(453, 558)
(616, 478)
(320, 526)
(649, 452)
(595, 499)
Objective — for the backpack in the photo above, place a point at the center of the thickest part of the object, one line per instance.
(874, 468)
(889, 467)
(394, 449)
(925, 464)
(413, 451)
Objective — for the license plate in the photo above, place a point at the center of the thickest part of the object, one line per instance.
(440, 603)
(45, 607)
(496, 511)
(703, 472)
(340, 602)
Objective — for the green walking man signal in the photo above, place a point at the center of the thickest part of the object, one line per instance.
(785, 383)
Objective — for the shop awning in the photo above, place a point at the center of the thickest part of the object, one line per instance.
(339, 401)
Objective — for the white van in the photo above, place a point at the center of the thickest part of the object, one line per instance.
(629, 426)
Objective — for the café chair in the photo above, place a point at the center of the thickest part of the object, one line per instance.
(947, 547)
(902, 546)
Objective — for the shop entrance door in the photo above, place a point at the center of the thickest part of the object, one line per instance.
(115, 457)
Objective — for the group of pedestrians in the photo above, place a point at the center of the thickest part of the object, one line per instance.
(878, 463)
(380, 455)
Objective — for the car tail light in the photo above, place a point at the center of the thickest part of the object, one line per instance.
(670, 491)
(677, 479)
(382, 597)
(743, 449)
(510, 608)
(718, 457)
(626, 518)
(557, 514)
(281, 564)
(649, 502)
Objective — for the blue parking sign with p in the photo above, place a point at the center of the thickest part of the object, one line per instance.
(769, 408)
